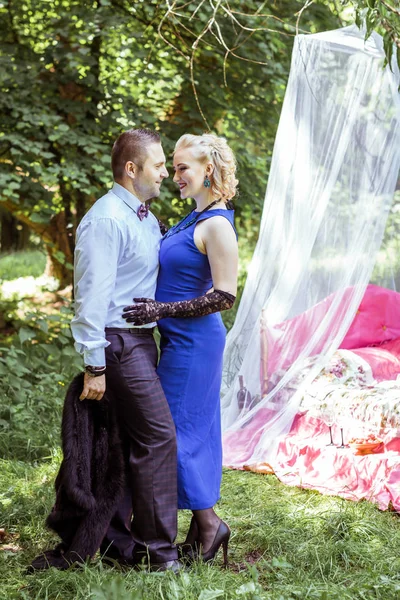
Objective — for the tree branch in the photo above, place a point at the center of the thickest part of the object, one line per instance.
(391, 31)
(38, 228)
(396, 11)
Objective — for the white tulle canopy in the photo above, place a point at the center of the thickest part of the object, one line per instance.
(335, 165)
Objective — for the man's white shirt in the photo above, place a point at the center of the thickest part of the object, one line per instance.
(116, 259)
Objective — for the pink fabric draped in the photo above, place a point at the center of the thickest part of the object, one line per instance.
(303, 459)
(377, 320)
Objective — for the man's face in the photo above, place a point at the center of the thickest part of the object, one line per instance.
(149, 177)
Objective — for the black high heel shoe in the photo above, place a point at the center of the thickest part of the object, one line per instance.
(221, 539)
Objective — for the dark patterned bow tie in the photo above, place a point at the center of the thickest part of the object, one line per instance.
(143, 211)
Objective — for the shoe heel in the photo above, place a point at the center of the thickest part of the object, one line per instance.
(221, 539)
(225, 550)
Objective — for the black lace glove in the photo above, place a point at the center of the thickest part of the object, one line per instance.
(150, 310)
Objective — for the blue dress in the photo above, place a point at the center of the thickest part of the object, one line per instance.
(190, 367)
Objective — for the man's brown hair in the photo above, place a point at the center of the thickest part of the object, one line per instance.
(131, 146)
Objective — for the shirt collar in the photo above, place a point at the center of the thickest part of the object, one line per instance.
(126, 196)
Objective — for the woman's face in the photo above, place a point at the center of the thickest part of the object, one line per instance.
(190, 173)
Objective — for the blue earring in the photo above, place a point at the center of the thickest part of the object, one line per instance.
(207, 182)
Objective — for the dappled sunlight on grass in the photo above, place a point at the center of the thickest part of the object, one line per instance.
(286, 544)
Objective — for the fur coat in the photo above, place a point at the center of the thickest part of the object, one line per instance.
(90, 481)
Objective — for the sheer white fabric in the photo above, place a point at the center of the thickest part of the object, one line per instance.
(335, 165)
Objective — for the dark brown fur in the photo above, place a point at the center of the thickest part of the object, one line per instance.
(90, 481)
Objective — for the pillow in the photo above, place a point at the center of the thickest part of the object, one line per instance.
(377, 319)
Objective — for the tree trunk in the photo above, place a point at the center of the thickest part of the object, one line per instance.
(9, 232)
(24, 234)
(80, 206)
(58, 239)
(60, 253)
(54, 268)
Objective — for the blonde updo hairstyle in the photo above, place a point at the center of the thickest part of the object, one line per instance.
(209, 148)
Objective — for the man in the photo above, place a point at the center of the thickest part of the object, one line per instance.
(116, 258)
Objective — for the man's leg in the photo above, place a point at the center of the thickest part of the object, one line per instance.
(118, 542)
(149, 431)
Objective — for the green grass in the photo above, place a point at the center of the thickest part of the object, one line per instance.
(22, 264)
(286, 544)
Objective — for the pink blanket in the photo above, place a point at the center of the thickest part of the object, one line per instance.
(305, 460)
(303, 457)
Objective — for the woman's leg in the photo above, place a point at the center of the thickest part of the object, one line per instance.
(208, 523)
(192, 534)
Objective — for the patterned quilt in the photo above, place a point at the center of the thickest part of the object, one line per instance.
(346, 385)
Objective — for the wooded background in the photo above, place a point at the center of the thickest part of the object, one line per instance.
(75, 74)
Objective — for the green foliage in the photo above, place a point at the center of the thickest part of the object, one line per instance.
(382, 16)
(74, 75)
(35, 366)
(22, 264)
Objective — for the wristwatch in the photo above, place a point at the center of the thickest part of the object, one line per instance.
(95, 371)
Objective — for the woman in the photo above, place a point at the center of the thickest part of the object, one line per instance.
(197, 279)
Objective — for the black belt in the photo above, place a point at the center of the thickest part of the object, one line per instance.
(134, 330)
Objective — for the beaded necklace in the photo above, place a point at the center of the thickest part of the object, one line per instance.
(183, 224)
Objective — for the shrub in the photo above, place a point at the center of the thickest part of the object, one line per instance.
(35, 367)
